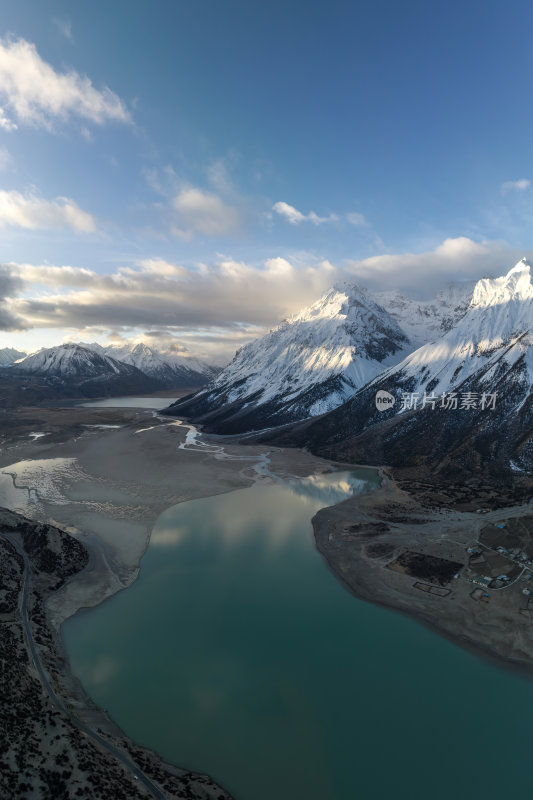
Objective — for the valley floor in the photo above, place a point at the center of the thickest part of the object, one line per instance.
(105, 475)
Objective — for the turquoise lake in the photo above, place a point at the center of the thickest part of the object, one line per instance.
(238, 653)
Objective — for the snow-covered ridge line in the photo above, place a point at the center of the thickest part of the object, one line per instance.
(73, 360)
(319, 357)
(493, 334)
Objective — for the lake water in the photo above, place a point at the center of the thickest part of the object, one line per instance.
(238, 653)
(129, 402)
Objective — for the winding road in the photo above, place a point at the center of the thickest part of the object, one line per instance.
(136, 773)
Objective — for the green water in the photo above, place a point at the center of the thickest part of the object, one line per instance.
(238, 653)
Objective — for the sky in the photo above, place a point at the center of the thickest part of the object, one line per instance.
(189, 173)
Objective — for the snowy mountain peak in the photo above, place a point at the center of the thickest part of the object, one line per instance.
(514, 286)
(335, 301)
(8, 355)
(171, 369)
(310, 363)
(493, 338)
(71, 360)
(520, 266)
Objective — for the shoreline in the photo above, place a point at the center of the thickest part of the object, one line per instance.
(52, 722)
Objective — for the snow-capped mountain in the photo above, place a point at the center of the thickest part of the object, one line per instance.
(425, 320)
(466, 396)
(171, 369)
(71, 361)
(308, 365)
(495, 326)
(8, 355)
(91, 370)
(76, 368)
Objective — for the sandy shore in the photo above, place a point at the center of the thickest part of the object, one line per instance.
(108, 485)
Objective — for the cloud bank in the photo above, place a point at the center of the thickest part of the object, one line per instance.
(422, 274)
(213, 309)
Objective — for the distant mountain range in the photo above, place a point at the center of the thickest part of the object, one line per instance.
(90, 370)
(169, 368)
(461, 399)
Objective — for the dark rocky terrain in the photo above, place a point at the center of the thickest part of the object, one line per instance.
(19, 388)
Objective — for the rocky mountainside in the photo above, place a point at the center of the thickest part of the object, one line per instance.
(308, 365)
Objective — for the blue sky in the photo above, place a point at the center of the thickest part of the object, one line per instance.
(194, 171)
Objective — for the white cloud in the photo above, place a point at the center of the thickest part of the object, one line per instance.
(289, 212)
(203, 212)
(214, 308)
(515, 186)
(158, 266)
(354, 218)
(296, 217)
(6, 124)
(64, 26)
(32, 212)
(38, 95)
(423, 273)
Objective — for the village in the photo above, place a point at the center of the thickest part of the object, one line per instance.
(501, 558)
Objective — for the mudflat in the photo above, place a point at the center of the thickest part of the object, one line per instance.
(105, 475)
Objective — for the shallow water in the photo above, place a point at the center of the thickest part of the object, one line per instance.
(25, 484)
(238, 653)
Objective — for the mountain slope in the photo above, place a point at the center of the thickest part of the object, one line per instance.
(308, 365)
